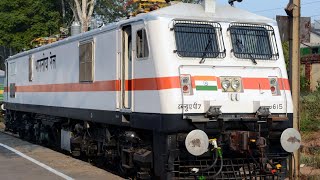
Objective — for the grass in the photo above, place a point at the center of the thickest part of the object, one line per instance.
(310, 128)
(310, 160)
(310, 112)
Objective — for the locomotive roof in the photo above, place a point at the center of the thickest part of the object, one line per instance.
(223, 13)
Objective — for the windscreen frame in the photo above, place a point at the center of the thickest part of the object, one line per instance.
(265, 31)
(213, 33)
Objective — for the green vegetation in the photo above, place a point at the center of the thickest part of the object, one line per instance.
(285, 47)
(310, 106)
(310, 127)
(312, 160)
(110, 11)
(23, 20)
(310, 114)
(304, 85)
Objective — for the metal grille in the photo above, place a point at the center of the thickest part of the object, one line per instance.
(252, 41)
(233, 169)
(199, 39)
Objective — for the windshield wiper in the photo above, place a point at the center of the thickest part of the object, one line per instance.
(205, 51)
(253, 59)
(241, 47)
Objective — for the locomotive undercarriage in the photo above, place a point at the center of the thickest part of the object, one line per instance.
(248, 149)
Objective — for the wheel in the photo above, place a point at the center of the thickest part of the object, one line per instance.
(2, 107)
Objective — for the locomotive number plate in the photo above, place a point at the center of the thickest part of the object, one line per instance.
(276, 106)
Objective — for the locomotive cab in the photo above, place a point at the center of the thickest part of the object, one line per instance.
(233, 85)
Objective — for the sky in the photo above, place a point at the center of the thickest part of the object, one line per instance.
(271, 8)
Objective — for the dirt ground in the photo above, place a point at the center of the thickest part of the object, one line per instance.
(311, 139)
(311, 147)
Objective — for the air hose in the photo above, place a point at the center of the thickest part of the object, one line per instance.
(221, 164)
(218, 154)
(213, 164)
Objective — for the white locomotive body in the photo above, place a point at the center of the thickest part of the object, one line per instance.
(138, 86)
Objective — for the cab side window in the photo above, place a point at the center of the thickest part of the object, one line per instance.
(86, 59)
(142, 44)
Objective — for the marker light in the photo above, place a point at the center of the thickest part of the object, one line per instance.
(185, 89)
(186, 86)
(235, 84)
(274, 86)
(225, 84)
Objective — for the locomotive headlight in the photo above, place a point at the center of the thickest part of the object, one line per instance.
(225, 84)
(235, 84)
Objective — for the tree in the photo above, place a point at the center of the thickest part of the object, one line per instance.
(285, 47)
(113, 10)
(110, 10)
(23, 20)
(82, 12)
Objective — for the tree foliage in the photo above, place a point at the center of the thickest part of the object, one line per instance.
(110, 10)
(23, 20)
(113, 10)
(285, 47)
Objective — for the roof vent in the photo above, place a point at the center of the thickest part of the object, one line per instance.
(209, 6)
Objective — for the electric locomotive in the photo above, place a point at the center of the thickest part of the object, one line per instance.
(186, 91)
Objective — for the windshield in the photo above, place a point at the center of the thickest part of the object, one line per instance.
(253, 42)
(199, 39)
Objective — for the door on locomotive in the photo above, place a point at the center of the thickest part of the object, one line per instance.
(134, 48)
(126, 68)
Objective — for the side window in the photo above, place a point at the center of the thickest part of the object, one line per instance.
(12, 69)
(142, 44)
(30, 68)
(12, 90)
(86, 59)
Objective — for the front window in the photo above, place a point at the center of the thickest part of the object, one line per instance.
(253, 41)
(199, 39)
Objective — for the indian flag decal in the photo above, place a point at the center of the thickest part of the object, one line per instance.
(206, 83)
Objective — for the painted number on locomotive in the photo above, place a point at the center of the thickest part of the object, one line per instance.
(276, 106)
(187, 107)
